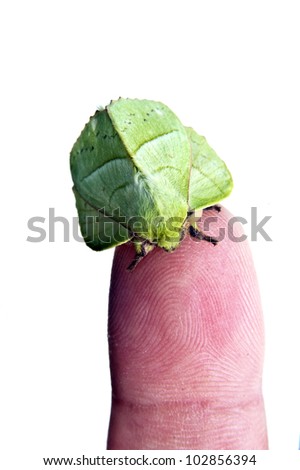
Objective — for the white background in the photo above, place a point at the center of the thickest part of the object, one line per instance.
(228, 68)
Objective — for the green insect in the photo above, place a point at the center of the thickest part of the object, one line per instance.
(140, 175)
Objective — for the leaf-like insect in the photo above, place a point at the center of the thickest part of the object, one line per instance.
(140, 175)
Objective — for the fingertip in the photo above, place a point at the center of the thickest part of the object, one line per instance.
(186, 327)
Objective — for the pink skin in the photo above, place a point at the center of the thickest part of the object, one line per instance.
(186, 347)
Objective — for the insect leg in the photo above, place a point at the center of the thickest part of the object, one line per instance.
(142, 250)
(215, 207)
(138, 257)
(195, 233)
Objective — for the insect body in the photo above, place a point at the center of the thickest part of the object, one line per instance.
(140, 175)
